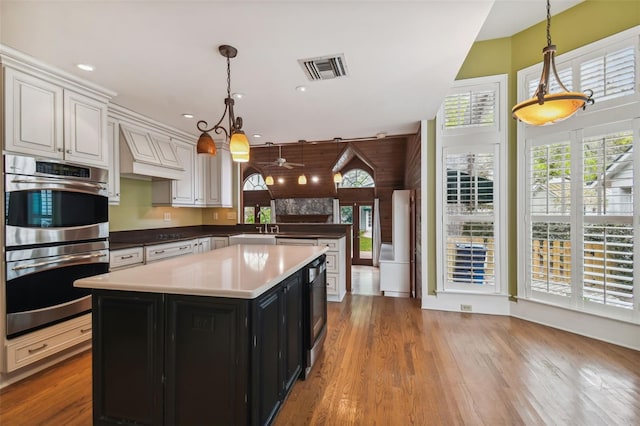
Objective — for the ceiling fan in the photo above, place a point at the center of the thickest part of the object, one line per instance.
(280, 161)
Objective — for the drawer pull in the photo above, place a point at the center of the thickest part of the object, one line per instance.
(158, 252)
(186, 247)
(85, 330)
(38, 349)
(126, 257)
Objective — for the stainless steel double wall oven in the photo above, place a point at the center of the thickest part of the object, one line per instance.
(56, 230)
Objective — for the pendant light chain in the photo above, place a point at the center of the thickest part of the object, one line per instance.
(548, 23)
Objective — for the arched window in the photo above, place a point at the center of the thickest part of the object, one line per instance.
(357, 178)
(254, 182)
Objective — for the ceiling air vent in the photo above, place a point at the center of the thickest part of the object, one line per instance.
(324, 68)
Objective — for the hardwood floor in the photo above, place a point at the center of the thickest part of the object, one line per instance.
(387, 362)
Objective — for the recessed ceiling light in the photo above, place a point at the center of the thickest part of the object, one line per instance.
(187, 115)
(257, 135)
(237, 95)
(301, 88)
(86, 67)
(315, 179)
(381, 135)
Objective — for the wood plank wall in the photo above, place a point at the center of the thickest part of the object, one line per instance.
(412, 180)
(388, 157)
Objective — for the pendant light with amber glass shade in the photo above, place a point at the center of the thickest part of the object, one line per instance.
(337, 176)
(548, 108)
(238, 142)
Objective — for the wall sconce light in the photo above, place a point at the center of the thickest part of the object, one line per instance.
(548, 108)
(238, 142)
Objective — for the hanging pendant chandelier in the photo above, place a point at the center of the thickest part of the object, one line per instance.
(238, 142)
(302, 179)
(337, 176)
(548, 108)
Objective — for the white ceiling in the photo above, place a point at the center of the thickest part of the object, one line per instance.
(161, 56)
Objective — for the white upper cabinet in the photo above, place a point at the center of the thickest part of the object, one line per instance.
(85, 130)
(219, 179)
(33, 121)
(178, 192)
(140, 144)
(49, 113)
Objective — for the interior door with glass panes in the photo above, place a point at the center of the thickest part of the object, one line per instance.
(360, 216)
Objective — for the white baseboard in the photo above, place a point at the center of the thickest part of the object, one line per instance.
(609, 330)
(494, 304)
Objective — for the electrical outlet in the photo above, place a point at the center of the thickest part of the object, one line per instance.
(167, 217)
(231, 215)
(215, 215)
(466, 308)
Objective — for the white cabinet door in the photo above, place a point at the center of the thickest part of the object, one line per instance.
(220, 180)
(203, 245)
(33, 115)
(113, 140)
(201, 173)
(219, 242)
(85, 132)
(184, 189)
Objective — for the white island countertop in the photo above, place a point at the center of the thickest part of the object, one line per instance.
(240, 271)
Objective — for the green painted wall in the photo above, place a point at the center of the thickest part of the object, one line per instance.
(585, 23)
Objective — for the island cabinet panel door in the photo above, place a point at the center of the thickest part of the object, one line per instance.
(292, 288)
(267, 357)
(128, 355)
(207, 361)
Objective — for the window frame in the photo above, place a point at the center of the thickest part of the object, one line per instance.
(475, 139)
(602, 118)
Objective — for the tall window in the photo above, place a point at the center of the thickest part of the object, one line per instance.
(579, 215)
(470, 151)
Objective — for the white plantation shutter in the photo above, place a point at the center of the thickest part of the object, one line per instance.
(611, 75)
(607, 190)
(474, 108)
(549, 199)
(469, 246)
(566, 76)
(550, 258)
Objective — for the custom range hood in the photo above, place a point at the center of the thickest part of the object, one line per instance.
(147, 155)
(146, 147)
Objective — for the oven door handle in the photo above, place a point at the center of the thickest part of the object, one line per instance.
(63, 259)
(60, 182)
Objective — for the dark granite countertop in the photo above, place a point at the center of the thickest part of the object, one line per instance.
(141, 239)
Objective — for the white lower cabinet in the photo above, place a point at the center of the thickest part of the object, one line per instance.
(202, 245)
(32, 347)
(167, 250)
(126, 258)
(336, 268)
(219, 242)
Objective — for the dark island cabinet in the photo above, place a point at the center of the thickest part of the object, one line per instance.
(277, 346)
(195, 360)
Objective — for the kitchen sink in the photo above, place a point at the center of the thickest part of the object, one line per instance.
(269, 239)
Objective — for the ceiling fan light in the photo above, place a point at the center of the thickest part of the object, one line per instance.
(337, 178)
(554, 108)
(269, 180)
(206, 145)
(239, 144)
(240, 158)
(302, 180)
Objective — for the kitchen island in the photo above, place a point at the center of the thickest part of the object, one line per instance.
(212, 338)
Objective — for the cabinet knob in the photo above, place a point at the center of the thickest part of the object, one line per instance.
(68, 151)
(59, 149)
